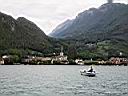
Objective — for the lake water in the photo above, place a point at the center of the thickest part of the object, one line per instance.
(62, 80)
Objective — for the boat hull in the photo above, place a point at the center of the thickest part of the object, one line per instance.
(89, 74)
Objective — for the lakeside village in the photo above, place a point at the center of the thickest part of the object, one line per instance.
(60, 59)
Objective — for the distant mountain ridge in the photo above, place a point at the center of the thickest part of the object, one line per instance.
(61, 27)
(103, 19)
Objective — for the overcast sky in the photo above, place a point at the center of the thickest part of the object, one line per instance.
(47, 14)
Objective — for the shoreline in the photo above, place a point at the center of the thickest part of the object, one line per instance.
(69, 64)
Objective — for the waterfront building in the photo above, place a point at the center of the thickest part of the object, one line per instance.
(117, 60)
(60, 58)
(1, 61)
(7, 59)
(35, 59)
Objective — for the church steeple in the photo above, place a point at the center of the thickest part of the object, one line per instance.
(61, 53)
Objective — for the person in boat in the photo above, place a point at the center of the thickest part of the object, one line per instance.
(91, 69)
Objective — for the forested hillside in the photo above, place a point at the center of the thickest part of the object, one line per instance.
(98, 32)
(22, 36)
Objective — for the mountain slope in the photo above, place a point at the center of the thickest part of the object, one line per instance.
(107, 18)
(61, 27)
(104, 30)
(21, 34)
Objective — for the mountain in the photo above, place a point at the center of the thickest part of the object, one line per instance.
(61, 27)
(104, 19)
(21, 34)
(105, 27)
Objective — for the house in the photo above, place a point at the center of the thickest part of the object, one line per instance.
(35, 60)
(7, 59)
(117, 60)
(1, 61)
(27, 59)
(79, 61)
(62, 59)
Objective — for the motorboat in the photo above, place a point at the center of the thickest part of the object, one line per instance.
(79, 61)
(88, 73)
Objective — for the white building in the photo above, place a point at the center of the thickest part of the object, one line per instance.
(1, 61)
(60, 58)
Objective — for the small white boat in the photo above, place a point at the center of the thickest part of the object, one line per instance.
(87, 73)
(79, 61)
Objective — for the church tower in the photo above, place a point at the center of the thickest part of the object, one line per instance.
(61, 53)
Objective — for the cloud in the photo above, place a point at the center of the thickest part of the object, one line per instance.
(47, 14)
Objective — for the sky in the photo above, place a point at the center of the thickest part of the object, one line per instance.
(47, 14)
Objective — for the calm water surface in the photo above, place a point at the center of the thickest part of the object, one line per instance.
(62, 80)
